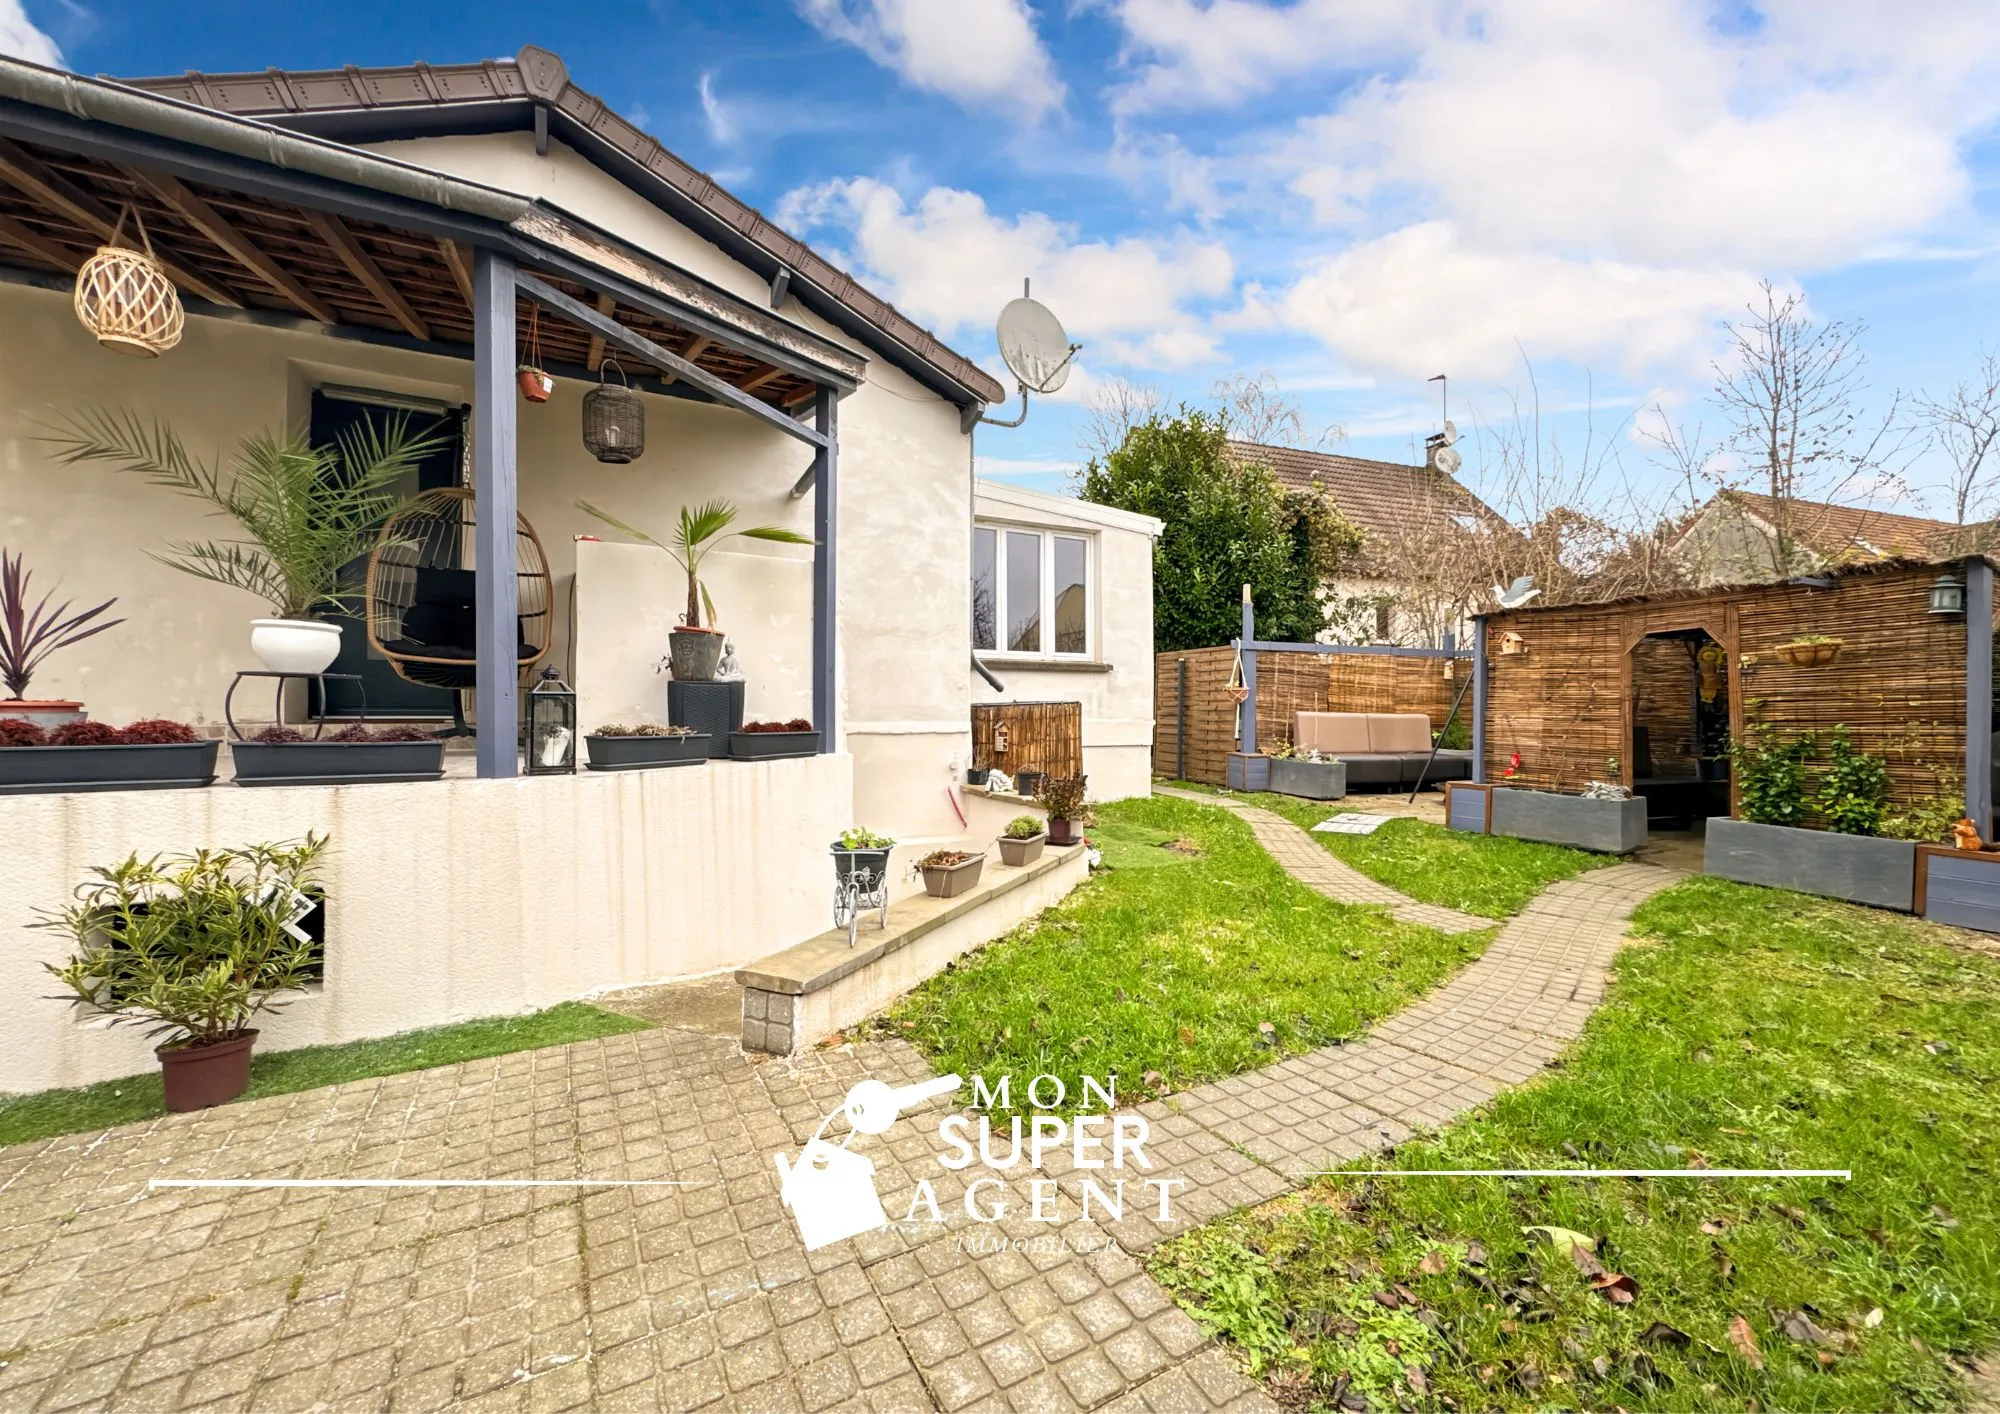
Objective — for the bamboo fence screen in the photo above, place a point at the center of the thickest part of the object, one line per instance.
(1037, 736)
(1288, 682)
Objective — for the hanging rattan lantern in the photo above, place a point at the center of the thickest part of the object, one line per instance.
(614, 420)
(125, 299)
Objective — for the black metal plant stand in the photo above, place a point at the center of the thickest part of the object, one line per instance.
(278, 702)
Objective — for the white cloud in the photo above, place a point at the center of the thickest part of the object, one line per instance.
(721, 127)
(982, 53)
(21, 40)
(1419, 301)
(1196, 54)
(951, 263)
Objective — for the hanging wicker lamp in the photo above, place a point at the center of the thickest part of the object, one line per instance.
(125, 299)
(614, 420)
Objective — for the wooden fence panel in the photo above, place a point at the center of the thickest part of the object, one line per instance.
(1038, 736)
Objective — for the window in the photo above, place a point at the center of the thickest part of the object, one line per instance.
(1030, 592)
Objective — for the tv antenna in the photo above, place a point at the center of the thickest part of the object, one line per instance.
(1035, 349)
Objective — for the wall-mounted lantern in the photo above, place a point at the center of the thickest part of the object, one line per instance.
(1948, 593)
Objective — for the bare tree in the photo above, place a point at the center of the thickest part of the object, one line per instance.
(1791, 390)
(1257, 410)
(1964, 424)
(1113, 409)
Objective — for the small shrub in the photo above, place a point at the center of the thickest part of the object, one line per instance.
(278, 736)
(1927, 821)
(158, 731)
(1853, 791)
(1456, 735)
(18, 731)
(191, 946)
(1023, 827)
(644, 729)
(1772, 774)
(797, 724)
(404, 733)
(860, 838)
(86, 734)
(353, 731)
(1062, 796)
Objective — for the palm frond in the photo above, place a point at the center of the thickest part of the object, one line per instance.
(779, 534)
(632, 530)
(701, 524)
(100, 435)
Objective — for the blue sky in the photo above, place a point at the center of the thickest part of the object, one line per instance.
(1348, 195)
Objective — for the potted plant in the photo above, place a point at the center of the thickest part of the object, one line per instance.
(1810, 650)
(695, 648)
(1062, 797)
(535, 384)
(950, 872)
(1310, 774)
(154, 754)
(862, 855)
(194, 947)
(1028, 782)
(354, 755)
(29, 634)
(1595, 822)
(1021, 842)
(306, 513)
(773, 741)
(619, 748)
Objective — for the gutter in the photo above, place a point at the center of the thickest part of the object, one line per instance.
(101, 101)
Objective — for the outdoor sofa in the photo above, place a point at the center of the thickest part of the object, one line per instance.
(1380, 748)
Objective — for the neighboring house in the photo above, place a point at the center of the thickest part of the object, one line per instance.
(1062, 611)
(1734, 539)
(401, 238)
(1416, 578)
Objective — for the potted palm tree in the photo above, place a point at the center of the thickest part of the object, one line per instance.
(306, 513)
(193, 947)
(697, 648)
(29, 633)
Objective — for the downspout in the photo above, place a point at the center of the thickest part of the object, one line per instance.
(971, 526)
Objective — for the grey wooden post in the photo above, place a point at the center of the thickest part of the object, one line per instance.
(1246, 729)
(1479, 699)
(1979, 695)
(496, 699)
(826, 580)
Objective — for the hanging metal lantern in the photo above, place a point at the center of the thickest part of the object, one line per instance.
(1948, 594)
(125, 299)
(614, 420)
(551, 732)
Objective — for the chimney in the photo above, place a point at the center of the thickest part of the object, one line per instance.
(1433, 444)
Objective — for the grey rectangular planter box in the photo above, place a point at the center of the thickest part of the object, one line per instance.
(1607, 826)
(772, 746)
(1465, 807)
(1960, 887)
(1248, 772)
(335, 763)
(1858, 868)
(40, 770)
(1312, 780)
(643, 753)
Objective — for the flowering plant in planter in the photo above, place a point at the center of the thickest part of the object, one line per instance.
(193, 947)
(1062, 797)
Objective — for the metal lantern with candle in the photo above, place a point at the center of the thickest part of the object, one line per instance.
(551, 726)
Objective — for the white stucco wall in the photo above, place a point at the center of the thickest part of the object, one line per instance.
(1116, 687)
(449, 899)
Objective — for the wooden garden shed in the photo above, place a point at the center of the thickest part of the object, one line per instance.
(1649, 692)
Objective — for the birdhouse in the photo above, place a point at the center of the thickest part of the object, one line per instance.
(831, 1192)
(1512, 643)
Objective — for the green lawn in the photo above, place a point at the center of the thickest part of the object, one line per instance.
(1172, 961)
(137, 1097)
(1761, 1030)
(1490, 875)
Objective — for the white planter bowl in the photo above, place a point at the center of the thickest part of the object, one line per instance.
(294, 645)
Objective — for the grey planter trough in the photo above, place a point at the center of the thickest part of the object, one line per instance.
(1607, 826)
(1311, 780)
(1858, 868)
(772, 746)
(335, 763)
(644, 753)
(1248, 772)
(40, 770)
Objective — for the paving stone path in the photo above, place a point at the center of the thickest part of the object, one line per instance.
(1302, 857)
(700, 1296)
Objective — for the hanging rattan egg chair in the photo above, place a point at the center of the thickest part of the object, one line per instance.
(422, 614)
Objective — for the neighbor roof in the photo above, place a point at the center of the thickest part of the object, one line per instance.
(1847, 532)
(533, 92)
(1379, 497)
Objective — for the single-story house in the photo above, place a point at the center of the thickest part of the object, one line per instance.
(401, 239)
(1062, 610)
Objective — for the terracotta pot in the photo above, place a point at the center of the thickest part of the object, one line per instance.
(535, 384)
(48, 714)
(1062, 831)
(199, 1077)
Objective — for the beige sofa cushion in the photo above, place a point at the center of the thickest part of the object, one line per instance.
(1332, 732)
(1399, 731)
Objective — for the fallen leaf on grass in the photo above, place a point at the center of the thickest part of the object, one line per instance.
(1187, 1035)
(1725, 1265)
(1386, 1299)
(1787, 1210)
(1586, 1262)
(1415, 1375)
(1475, 1254)
(1660, 1333)
(1560, 1238)
(1713, 1227)
(1617, 1288)
(1433, 1263)
(1873, 1318)
(1745, 1341)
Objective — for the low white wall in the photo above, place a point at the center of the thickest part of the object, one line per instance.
(446, 900)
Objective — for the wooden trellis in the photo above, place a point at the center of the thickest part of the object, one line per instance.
(1029, 736)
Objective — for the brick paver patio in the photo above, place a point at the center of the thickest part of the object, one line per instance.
(548, 1298)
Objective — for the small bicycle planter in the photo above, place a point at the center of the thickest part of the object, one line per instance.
(860, 882)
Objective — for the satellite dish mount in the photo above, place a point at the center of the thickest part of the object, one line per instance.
(1036, 350)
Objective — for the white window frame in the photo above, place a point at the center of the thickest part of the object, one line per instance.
(1049, 535)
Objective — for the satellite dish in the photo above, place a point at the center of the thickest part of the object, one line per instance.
(1516, 594)
(1037, 351)
(1450, 432)
(1449, 461)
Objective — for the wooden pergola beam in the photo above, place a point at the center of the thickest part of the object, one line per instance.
(241, 248)
(461, 268)
(753, 383)
(16, 234)
(594, 360)
(23, 171)
(362, 267)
